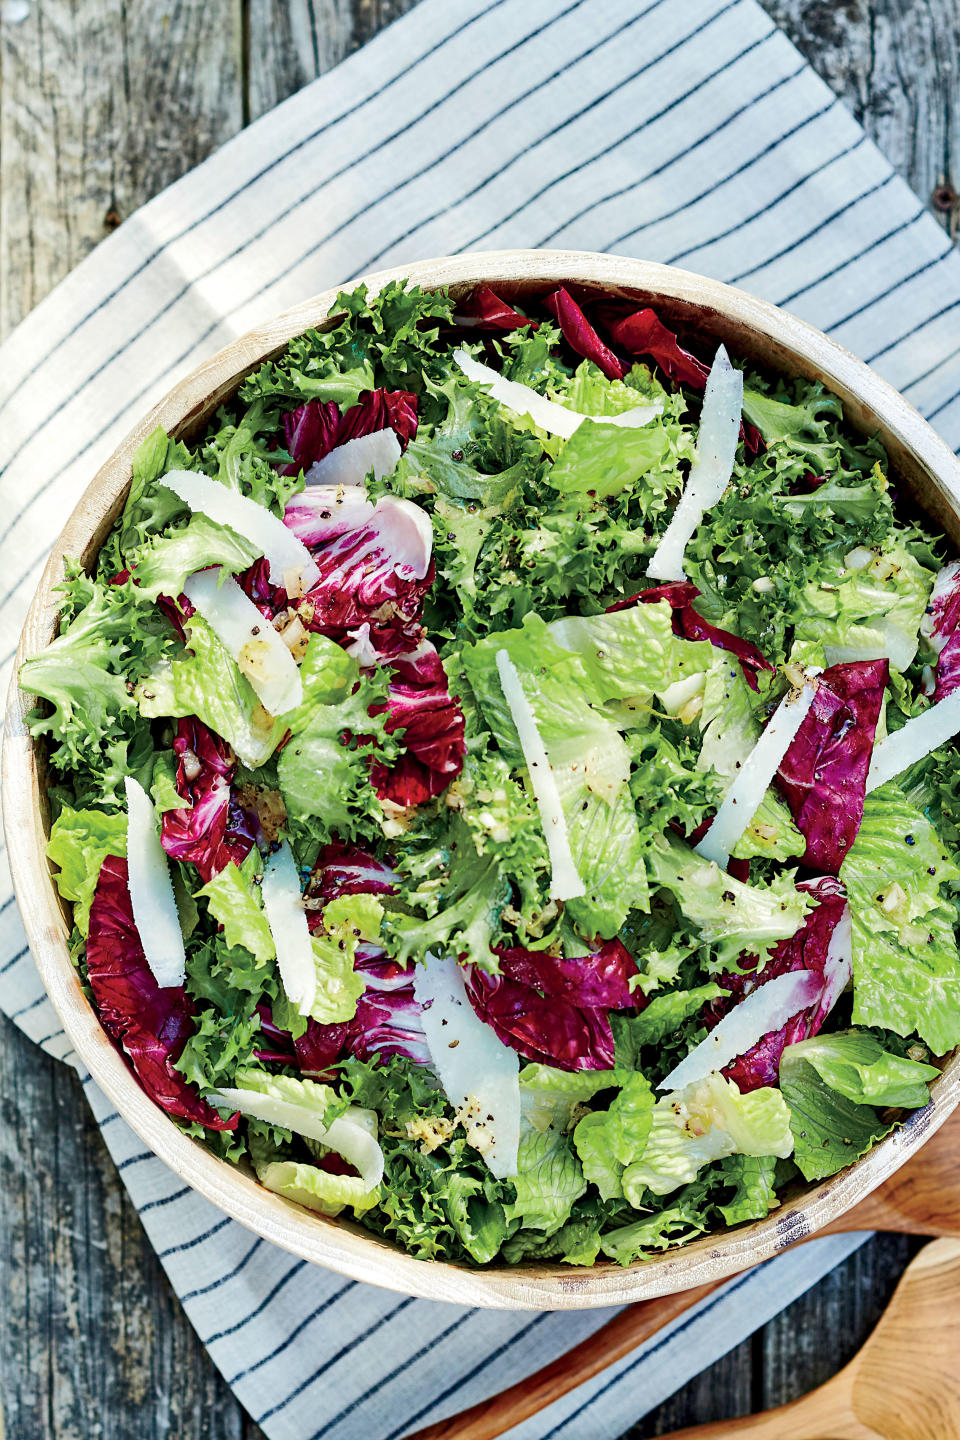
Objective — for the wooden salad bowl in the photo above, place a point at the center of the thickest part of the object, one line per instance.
(925, 470)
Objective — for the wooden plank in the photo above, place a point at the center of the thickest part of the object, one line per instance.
(895, 63)
(289, 44)
(103, 103)
(845, 1306)
(92, 1338)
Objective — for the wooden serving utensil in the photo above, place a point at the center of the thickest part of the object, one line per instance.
(904, 1384)
(922, 1198)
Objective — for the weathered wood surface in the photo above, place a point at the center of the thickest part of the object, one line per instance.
(102, 104)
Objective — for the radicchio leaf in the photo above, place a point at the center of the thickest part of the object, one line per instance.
(642, 333)
(377, 574)
(255, 582)
(941, 627)
(151, 1024)
(580, 334)
(348, 870)
(556, 1011)
(420, 706)
(807, 950)
(542, 1028)
(823, 775)
(484, 310)
(600, 979)
(314, 429)
(212, 829)
(387, 1021)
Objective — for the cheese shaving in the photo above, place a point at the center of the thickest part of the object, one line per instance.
(248, 637)
(151, 890)
(742, 800)
(711, 471)
(290, 562)
(547, 414)
(566, 883)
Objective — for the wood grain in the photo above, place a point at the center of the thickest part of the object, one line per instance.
(103, 103)
(895, 63)
(56, 193)
(903, 1384)
(290, 42)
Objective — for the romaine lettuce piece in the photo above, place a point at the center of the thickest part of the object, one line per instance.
(347, 922)
(866, 607)
(752, 1177)
(608, 1141)
(632, 653)
(830, 1129)
(324, 775)
(590, 763)
(80, 841)
(600, 460)
(549, 1096)
(855, 1063)
(734, 918)
(205, 682)
(705, 1122)
(315, 1188)
(548, 1181)
(906, 966)
(234, 901)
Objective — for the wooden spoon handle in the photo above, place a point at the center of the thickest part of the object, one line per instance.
(789, 1422)
(528, 1397)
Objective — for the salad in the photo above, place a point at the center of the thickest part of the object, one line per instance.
(503, 775)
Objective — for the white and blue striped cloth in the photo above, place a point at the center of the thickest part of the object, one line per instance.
(686, 132)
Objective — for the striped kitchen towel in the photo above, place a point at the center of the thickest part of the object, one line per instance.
(686, 132)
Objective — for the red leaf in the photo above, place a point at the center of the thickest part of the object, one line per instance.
(807, 950)
(484, 310)
(151, 1024)
(314, 429)
(580, 334)
(823, 774)
(211, 830)
(690, 625)
(643, 333)
(431, 726)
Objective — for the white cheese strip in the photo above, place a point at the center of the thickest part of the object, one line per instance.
(348, 1135)
(291, 565)
(547, 414)
(151, 890)
(351, 462)
(249, 639)
(479, 1074)
(925, 732)
(566, 883)
(283, 906)
(837, 965)
(742, 800)
(766, 1008)
(711, 471)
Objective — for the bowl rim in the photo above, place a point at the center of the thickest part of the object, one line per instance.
(339, 1245)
